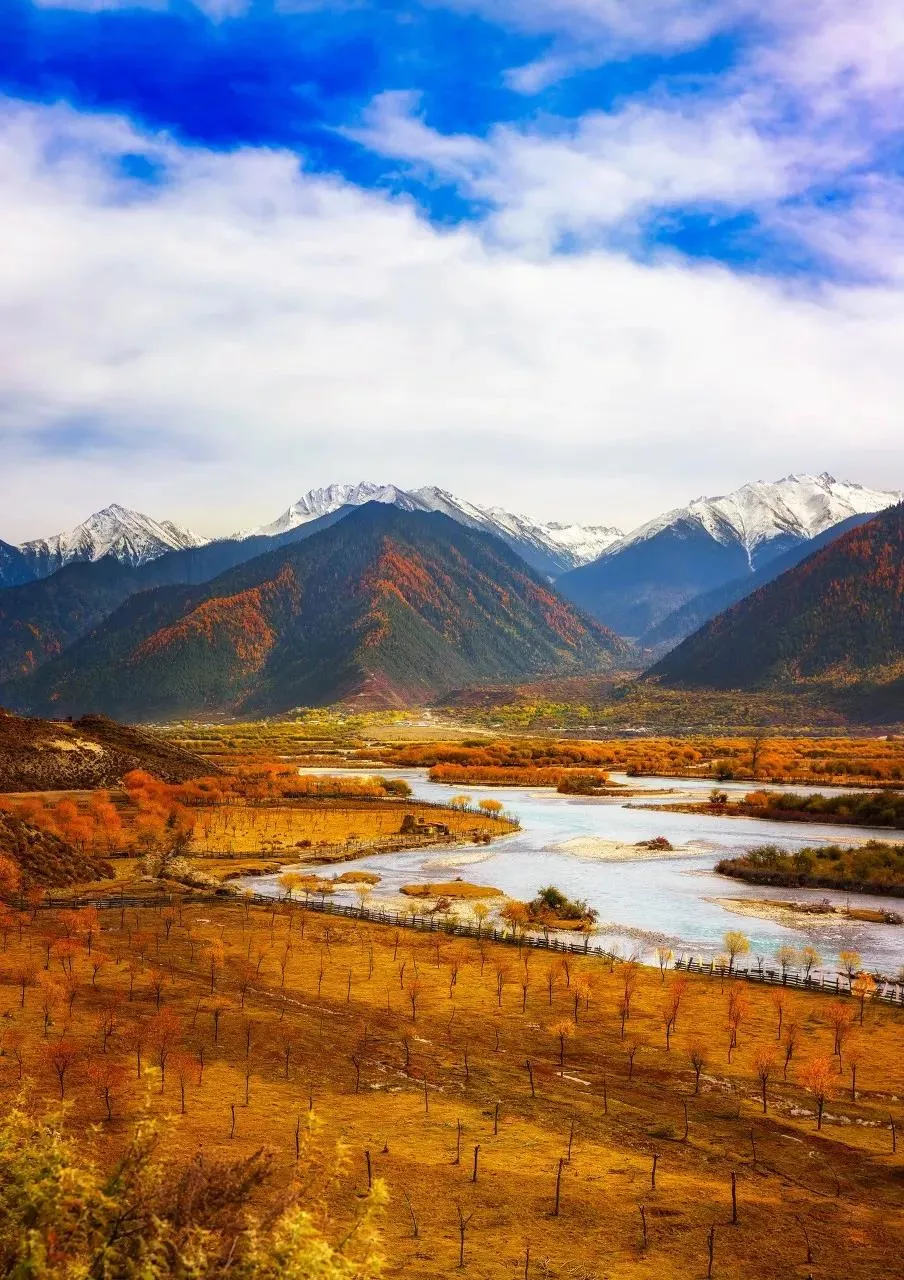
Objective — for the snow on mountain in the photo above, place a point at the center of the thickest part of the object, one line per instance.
(132, 537)
(551, 547)
(323, 502)
(795, 508)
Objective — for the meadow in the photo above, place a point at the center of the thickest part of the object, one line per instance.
(530, 1114)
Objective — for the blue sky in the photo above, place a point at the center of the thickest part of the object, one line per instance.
(623, 253)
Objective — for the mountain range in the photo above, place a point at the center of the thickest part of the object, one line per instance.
(641, 579)
(835, 621)
(119, 620)
(386, 605)
(136, 539)
(551, 548)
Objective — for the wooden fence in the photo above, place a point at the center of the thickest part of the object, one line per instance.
(888, 991)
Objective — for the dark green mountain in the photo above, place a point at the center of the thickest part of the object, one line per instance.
(386, 606)
(835, 621)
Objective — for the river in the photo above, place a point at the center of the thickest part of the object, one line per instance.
(642, 903)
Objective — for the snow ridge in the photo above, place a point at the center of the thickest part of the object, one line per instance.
(130, 536)
(797, 507)
(566, 545)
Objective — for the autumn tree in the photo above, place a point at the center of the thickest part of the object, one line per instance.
(736, 944)
(61, 1055)
(10, 878)
(562, 1030)
(863, 988)
(107, 1076)
(816, 1077)
(851, 964)
(764, 1065)
(697, 1055)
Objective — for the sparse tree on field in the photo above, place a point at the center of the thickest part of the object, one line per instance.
(698, 1062)
(108, 1022)
(779, 998)
(810, 959)
(664, 956)
(854, 1055)
(24, 975)
(108, 1078)
(736, 944)
(61, 1055)
(581, 990)
(413, 989)
(164, 1029)
(463, 1223)
(216, 956)
(787, 957)
(816, 1076)
(563, 1030)
(218, 1006)
(289, 881)
(851, 964)
(52, 999)
(480, 911)
(840, 1018)
(791, 1037)
(676, 993)
(738, 1005)
(633, 1047)
(99, 960)
(864, 988)
(502, 976)
(764, 1064)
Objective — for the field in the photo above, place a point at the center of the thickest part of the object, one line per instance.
(413, 1049)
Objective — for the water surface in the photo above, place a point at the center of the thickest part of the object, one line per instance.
(641, 903)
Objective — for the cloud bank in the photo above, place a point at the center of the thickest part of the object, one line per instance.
(578, 303)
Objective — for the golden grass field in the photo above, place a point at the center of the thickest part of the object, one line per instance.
(399, 1037)
(279, 827)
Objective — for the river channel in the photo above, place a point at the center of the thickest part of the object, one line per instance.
(641, 903)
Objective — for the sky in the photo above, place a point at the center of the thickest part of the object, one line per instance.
(586, 259)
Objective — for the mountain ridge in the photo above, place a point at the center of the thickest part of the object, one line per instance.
(666, 563)
(834, 621)
(394, 605)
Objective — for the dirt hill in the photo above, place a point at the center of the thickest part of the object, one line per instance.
(64, 755)
(46, 859)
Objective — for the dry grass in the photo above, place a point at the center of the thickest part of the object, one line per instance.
(339, 993)
(450, 889)
(236, 829)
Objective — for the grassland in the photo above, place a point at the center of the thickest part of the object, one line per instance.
(413, 1048)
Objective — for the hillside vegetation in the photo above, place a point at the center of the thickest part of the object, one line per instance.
(834, 621)
(44, 858)
(388, 607)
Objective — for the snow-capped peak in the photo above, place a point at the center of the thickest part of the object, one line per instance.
(132, 537)
(553, 547)
(797, 507)
(323, 502)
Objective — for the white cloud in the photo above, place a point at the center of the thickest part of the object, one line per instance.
(549, 179)
(214, 345)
